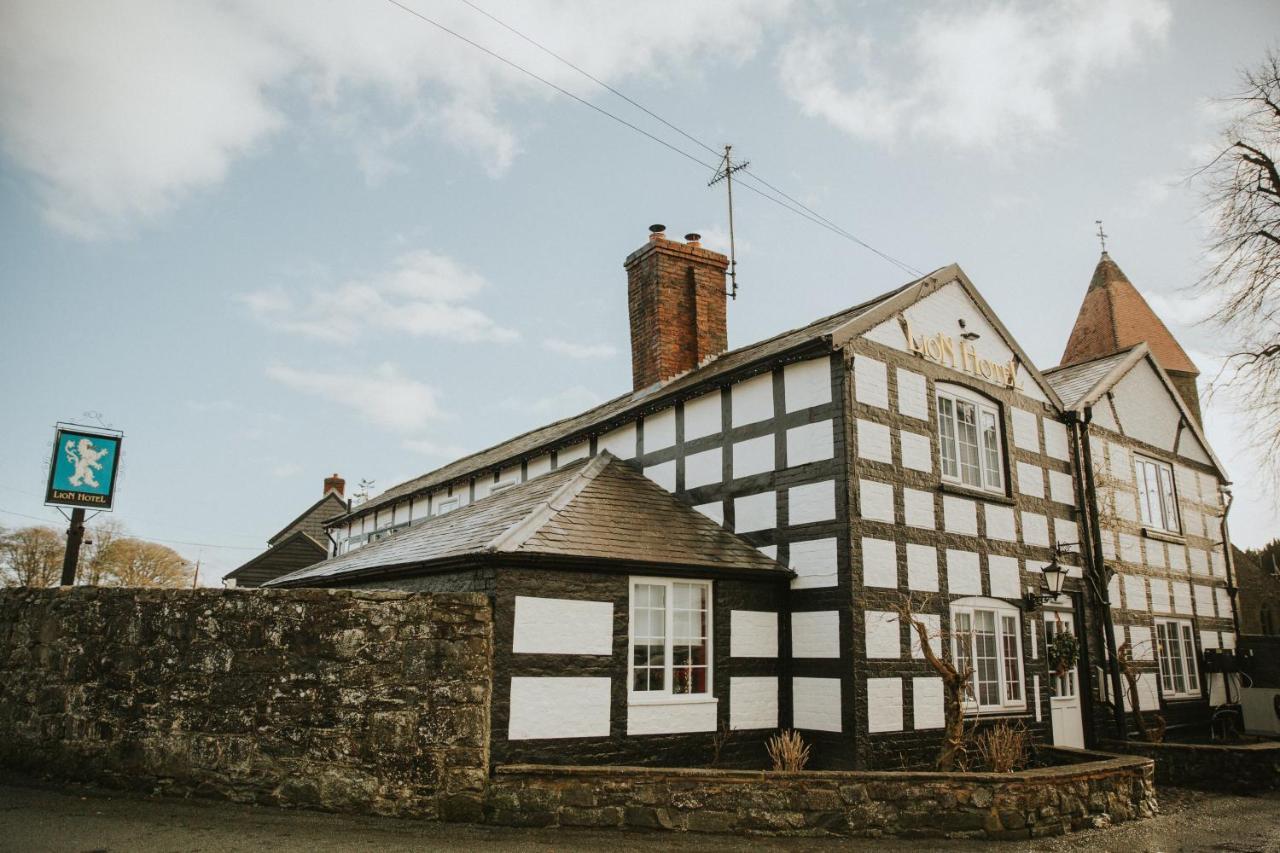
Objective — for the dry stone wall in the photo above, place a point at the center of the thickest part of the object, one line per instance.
(347, 700)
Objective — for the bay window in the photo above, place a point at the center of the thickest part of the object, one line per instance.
(986, 638)
(1176, 649)
(670, 639)
(1157, 500)
(969, 438)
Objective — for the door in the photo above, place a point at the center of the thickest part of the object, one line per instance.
(1064, 690)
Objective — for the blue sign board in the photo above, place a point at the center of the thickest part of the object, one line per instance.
(83, 469)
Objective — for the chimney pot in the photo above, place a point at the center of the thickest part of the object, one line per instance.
(335, 484)
(656, 232)
(694, 239)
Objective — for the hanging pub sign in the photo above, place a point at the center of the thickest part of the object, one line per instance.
(83, 470)
(960, 354)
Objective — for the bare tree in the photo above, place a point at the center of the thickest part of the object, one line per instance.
(955, 685)
(1243, 195)
(31, 556)
(1124, 655)
(98, 552)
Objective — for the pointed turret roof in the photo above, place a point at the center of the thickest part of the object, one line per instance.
(1115, 317)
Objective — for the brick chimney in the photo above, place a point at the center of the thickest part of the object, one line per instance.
(335, 484)
(676, 298)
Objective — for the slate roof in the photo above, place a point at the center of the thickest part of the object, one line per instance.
(1114, 316)
(312, 519)
(600, 508)
(563, 430)
(1074, 381)
(290, 554)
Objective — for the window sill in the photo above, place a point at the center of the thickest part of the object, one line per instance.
(989, 713)
(1163, 535)
(1181, 697)
(976, 494)
(672, 700)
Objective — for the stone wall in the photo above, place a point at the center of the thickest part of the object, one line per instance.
(1033, 803)
(1242, 768)
(334, 699)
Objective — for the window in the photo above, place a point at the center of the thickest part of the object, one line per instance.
(1156, 498)
(1177, 651)
(969, 438)
(447, 506)
(670, 639)
(986, 637)
(1060, 686)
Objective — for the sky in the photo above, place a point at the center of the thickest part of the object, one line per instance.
(274, 241)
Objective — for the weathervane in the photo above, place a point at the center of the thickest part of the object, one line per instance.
(724, 172)
(1102, 236)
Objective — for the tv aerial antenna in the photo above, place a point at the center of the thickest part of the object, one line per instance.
(724, 172)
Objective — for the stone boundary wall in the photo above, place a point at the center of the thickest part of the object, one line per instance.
(1094, 790)
(1243, 768)
(345, 700)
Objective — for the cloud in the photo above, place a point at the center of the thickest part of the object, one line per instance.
(383, 396)
(427, 447)
(580, 351)
(121, 111)
(976, 79)
(421, 294)
(1182, 308)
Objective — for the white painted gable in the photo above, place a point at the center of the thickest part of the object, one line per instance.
(1146, 410)
(941, 311)
(1190, 447)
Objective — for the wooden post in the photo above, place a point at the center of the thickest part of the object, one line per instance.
(75, 536)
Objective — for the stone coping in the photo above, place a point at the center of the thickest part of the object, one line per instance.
(1083, 763)
(1264, 746)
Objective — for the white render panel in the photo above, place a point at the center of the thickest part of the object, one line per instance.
(1118, 463)
(1004, 577)
(1031, 480)
(1113, 591)
(1108, 544)
(672, 718)
(873, 441)
(926, 703)
(1135, 593)
(922, 568)
(713, 511)
(1126, 504)
(753, 702)
(875, 500)
(702, 469)
(753, 456)
(960, 515)
(1177, 557)
(1154, 553)
(1224, 601)
(932, 623)
(870, 382)
(565, 455)
(1189, 447)
(483, 486)
(1218, 563)
(621, 442)
(883, 637)
(537, 466)
(702, 416)
(755, 512)
(1065, 532)
(963, 577)
(814, 562)
(753, 634)
(1035, 529)
(917, 451)
(817, 704)
(770, 551)
(812, 502)
(1228, 639)
(815, 634)
(884, 705)
(1061, 489)
(1199, 561)
(1182, 598)
(562, 626)
(1055, 439)
(421, 508)
(554, 707)
(879, 563)
(664, 475)
(660, 430)
(1140, 644)
(918, 509)
(806, 384)
(752, 400)
(1208, 639)
(1159, 596)
(1026, 432)
(401, 513)
(810, 443)
(1204, 600)
(1145, 407)
(1148, 698)
(1000, 522)
(913, 401)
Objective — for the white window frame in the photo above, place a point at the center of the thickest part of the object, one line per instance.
(448, 505)
(1163, 513)
(666, 696)
(1000, 611)
(1183, 653)
(984, 410)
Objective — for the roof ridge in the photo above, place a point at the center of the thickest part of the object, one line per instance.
(513, 537)
(1122, 351)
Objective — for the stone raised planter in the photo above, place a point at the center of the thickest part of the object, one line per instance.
(1094, 790)
(1241, 768)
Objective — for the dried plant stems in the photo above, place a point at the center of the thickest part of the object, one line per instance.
(788, 751)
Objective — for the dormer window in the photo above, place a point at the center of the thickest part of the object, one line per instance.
(970, 439)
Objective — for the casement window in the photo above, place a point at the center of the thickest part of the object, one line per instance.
(986, 637)
(1177, 652)
(1157, 500)
(970, 439)
(670, 639)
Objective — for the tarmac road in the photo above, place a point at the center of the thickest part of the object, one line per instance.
(91, 820)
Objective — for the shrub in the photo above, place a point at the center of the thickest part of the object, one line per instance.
(788, 752)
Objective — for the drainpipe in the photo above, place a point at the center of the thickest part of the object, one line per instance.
(1232, 589)
(1097, 565)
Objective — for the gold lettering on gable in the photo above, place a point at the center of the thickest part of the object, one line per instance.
(962, 355)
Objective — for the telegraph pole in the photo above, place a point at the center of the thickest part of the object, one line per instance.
(75, 536)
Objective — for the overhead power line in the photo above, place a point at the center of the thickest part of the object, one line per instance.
(782, 199)
(144, 538)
